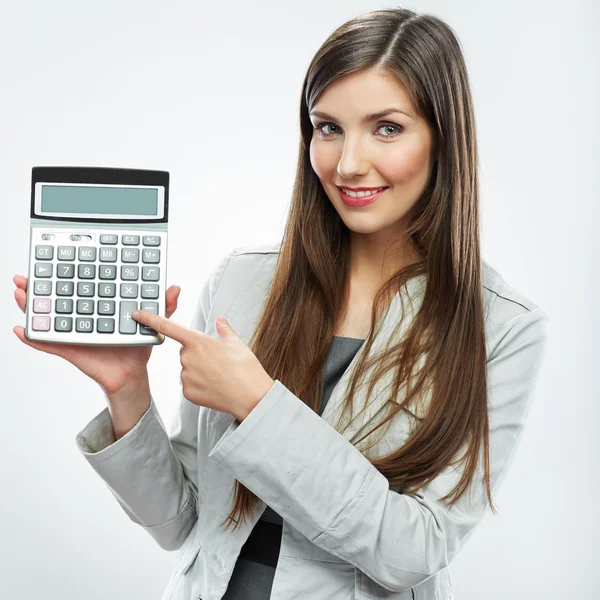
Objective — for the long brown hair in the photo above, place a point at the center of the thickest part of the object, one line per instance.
(308, 292)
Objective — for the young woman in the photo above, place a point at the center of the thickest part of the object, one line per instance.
(342, 433)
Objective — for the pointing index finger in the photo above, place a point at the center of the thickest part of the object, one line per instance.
(168, 328)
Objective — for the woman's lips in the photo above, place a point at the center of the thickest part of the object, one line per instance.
(350, 201)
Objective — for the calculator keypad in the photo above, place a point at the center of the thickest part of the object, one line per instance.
(87, 289)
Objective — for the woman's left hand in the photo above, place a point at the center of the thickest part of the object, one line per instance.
(224, 375)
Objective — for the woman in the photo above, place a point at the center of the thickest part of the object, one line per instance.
(350, 448)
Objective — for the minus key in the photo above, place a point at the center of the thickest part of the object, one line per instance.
(153, 308)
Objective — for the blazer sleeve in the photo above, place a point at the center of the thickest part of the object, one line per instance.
(152, 469)
(287, 455)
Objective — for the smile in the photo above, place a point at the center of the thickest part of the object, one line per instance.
(360, 198)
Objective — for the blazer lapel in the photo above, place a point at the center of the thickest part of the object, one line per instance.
(243, 314)
(353, 427)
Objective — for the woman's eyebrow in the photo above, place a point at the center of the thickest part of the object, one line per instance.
(366, 118)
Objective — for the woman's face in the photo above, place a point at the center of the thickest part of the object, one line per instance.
(392, 150)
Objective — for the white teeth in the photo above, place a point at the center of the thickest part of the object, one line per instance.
(360, 194)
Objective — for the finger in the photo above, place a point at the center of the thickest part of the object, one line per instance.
(20, 282)
(173, 291)
(168, 328)
(170, 309)
(47, 347)
(171, 300)
(21, 298)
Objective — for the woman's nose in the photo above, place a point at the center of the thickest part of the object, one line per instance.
(353, 162)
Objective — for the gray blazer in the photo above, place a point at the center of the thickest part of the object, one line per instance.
(346, 534)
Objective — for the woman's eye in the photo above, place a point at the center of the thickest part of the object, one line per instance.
(398, 129)
(320, 128)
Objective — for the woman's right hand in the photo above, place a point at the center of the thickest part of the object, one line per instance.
(109, 366)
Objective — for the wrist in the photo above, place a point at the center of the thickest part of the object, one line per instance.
(128, 404)
(127, 384)
(134, 393)
(261, 391)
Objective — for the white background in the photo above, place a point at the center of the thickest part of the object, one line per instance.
(211, 92)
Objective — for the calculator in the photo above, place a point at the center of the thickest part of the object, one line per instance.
(97, 252)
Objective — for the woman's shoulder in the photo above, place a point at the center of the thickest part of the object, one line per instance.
(243, 274)
(257, 249)
(502, 300)
(248, 265)
(513, 321)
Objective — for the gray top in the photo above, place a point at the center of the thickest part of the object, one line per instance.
(252, 580)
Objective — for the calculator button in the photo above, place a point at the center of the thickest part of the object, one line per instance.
(44, 252)
(150, 273)
(87, 253)
(108, 255)
(64, 288)
(107, 290)
(63, 306)
(106, 307)
(149, 290)
(85, 288)
(130, 240)
(153, 308)
(107, 272)
(129, 290)
(105, 325)
(65, 271)
(86, 271)
(63, 323)
(108, 238)
(42, 288)
(85, 307)
(40, 323)
(130, 255)
(84, 324)
(42, 305)
(43, 269)
(66, 253)
(150, 255)
(151, 240)
(126, 323)
(131, 273)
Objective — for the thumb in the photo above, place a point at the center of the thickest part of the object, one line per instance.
(225, 330)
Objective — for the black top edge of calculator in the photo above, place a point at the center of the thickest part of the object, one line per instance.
(100, 175)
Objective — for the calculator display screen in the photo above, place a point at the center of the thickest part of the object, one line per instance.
(107, 195)
(76, 199)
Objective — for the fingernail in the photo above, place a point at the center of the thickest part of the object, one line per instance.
(135, 314)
